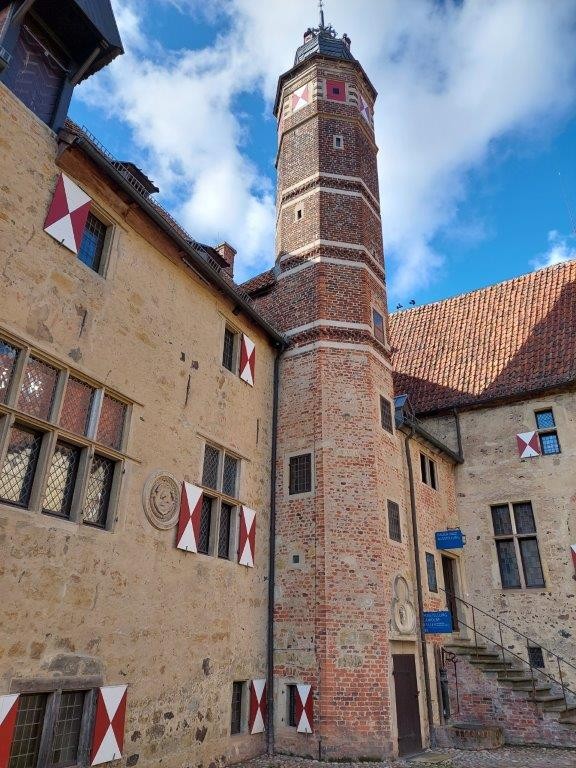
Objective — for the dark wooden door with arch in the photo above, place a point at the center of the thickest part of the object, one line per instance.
(407, 704)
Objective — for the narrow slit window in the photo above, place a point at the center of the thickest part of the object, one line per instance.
(394, 529)
(236, 713)
(93, 243)
(431, 572)
(386, 415)
(8, 357)
(300, 474)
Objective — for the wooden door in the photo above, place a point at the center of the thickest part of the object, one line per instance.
(450, 587)
(407, 704)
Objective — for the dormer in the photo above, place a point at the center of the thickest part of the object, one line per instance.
(48, 47)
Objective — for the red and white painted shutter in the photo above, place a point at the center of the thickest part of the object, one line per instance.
(258, 706)
(247, 537)
(573, 550)
(8, 715)
(189, 520)
(304, 708)
(301, 97)
(67, 215)
(364, 108)
(108, 734)
(247, 360)
(528, 445)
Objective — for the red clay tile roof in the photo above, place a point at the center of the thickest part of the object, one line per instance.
(259, 282)
(502, 341)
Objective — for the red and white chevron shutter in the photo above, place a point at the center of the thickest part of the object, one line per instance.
(189, 521)
(8, 715)
(258, 706)
(108, 734)
(247, 360)
(247, 537)
(304, 709)
(572, 549)
(528, 445)
(67, 215)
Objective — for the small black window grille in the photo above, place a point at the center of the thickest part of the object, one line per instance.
(28, 731)
(386, 415)
(292, 692)
(536, 657)
(229, 477)
(224, 531)
(38, 389)
(61, 480)
(98, 491)
(92, 246)
(8, 356)
(19, 468)
(431, 571)
(211, 465)
(394, 529)
(205, 525)
(67, 729)
(229, 347)
(300, 480)
(378, 322)
(236, 715)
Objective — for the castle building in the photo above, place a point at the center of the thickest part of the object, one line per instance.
(236, 518)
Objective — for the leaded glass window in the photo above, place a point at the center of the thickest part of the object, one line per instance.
(77, 406)
(98, 491)
(111, 423)
(67, 729)
(28, 731)
(8, 357)
(38, 389)
(93, 242)
(300, 474)
(517, 545)
(19, 467)
(394, 529)
(61, 480)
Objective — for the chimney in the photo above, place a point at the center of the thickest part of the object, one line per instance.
(227, 253)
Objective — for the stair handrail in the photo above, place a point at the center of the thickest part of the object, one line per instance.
(504, 650)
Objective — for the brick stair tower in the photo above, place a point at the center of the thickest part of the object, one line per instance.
(333, 573)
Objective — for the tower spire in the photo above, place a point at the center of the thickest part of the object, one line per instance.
(322, 22)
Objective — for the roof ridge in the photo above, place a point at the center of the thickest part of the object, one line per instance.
(518, 278)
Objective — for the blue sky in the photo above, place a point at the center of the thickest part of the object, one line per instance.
(475, 121)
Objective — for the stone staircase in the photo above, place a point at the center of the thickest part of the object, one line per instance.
(510, 673)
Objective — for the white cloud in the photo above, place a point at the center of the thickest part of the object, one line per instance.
(560, 249)
(453, 78)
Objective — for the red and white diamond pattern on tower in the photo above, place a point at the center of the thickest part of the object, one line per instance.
(258, 704)
(573, 550)
(304, 708)
(528, 445)
(365, 110)
(247, 537)
(108, 736)
(247, 360)
(301, 97)
(8, 714)
(190, 516)
(67, 215)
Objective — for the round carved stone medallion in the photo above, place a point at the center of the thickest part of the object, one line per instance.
(161, 499)
(403, 613)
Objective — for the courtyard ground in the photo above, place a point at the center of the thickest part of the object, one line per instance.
(507, 757)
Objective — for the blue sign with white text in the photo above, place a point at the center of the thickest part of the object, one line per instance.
(437, 622)
(449, 539)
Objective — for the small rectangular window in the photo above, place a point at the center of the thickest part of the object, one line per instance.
(38, 389)
(338, 142)
(111, 423)
(536, 657)
(431, 571)
(517, 545)
(428, 471)
(547, 433)
(300, 469)
(28, 730)
(19, 468)
(236, 714)
(224, 531)
(394, 529)
(229, 352)
(291, 715)
(378, 323)
(98, 491)
(61, 481)
(229, 476)
(8, 357)
(205, 525)
(501, 520)
(93, 242)
(386, 415)
(298, 214)
(211, 467)
(77, 406)
(67, 729)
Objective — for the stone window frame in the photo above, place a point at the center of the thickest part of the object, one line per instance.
(218, 497)
(338, 142)
(394, 516)
(105, 258)
(291, 694)
(235, 363)
(244, 703)
(298, 212)
(306, 494)
(53, 688)
(428, 471)
(515, 537)
(550, 431)
(51, 434)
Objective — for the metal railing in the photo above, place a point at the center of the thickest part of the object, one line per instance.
(535, 672)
